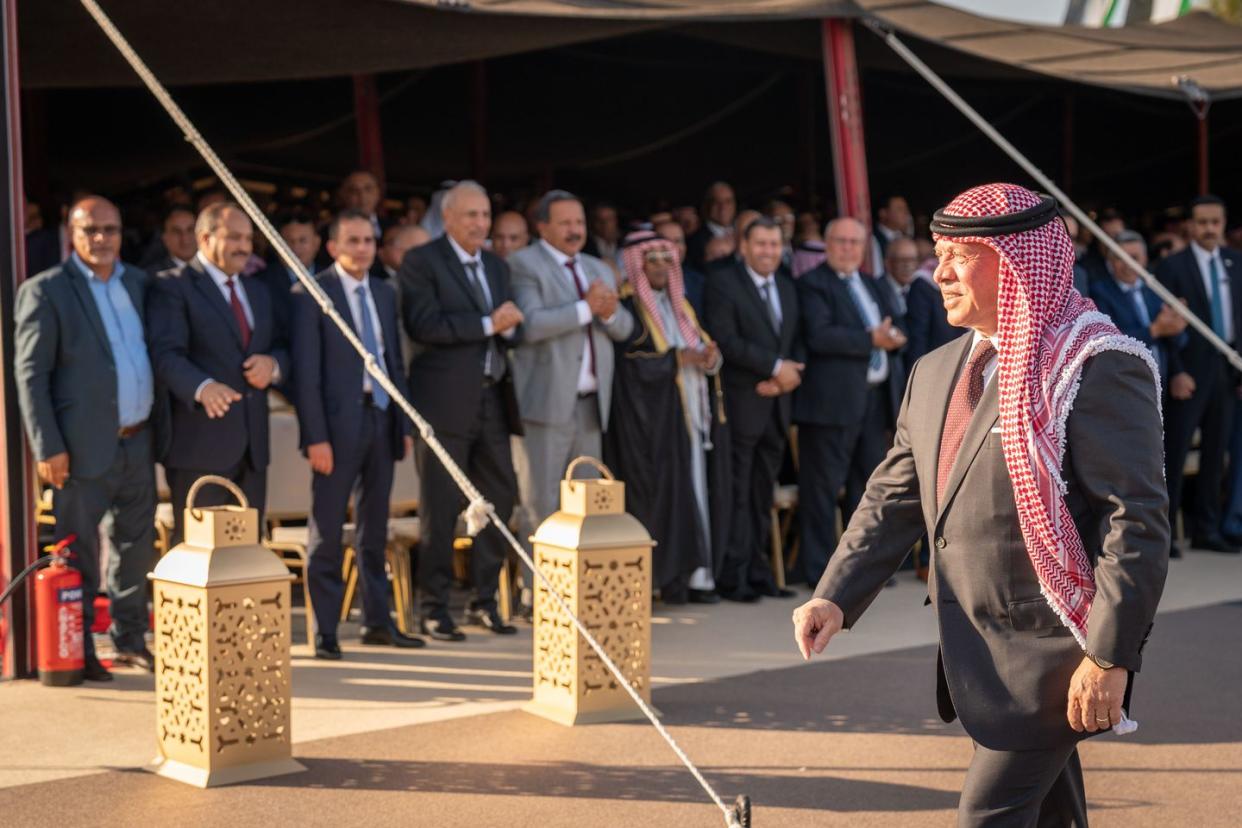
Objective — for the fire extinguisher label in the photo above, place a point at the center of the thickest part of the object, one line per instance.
(69, 596)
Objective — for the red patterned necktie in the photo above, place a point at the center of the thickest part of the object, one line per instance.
(240, 313)
(962, 405)
(573, 274)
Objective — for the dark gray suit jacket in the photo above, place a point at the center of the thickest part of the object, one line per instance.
(66, 376)
(1006, 657)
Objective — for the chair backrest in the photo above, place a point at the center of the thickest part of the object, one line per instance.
(289, 475)
(406, 488)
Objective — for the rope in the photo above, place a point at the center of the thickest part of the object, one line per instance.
(479, 511)
(1044, 181)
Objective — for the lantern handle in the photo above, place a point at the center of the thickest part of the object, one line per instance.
(219, 481)
(600, 467)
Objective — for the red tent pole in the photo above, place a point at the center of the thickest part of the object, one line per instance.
(849, 152)
(370, 136)
(1203, 154)
(17, 529)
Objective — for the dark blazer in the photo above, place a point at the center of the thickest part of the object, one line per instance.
(160, 264)
(445, 321)
(1180, 274)
(696, 247)
(280, 288)
(1006, 657)
(327, 371)
(927, 324)
(695, 284)
(838, 348)
(193, 336)
(736, 317)
(65, 371)
(1115, 304)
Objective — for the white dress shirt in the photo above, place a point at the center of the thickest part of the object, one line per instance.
(587, 381)
(353, 292)
(1204, 258)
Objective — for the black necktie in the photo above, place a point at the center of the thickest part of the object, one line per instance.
(477, 286)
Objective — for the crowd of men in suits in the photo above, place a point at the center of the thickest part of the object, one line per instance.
(532, 325)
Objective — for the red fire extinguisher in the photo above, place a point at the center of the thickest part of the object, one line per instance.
(58, 615)
(58, 619)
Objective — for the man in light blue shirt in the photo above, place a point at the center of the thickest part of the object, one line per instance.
(85, 388)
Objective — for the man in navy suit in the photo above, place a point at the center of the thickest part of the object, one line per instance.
(352, 431)
(1134, 308)
(216, 349)
(457, 306)
(851, 389)
(1202, 385)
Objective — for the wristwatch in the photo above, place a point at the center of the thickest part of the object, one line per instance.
(1101, 663)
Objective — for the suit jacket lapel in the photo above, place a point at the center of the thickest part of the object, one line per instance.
(206, 286)
(981, 423)
(459, 272)
(760, 302)
(560, 274)
(785, 292)
(387, 313)
(132, 281)
(845, 298)
(1196, 286)
(941, 385)
(83, 291)
(336, 291)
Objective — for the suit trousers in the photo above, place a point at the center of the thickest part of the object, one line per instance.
(484, 454)
(546, 452)
(1024, 789)
(756, 462)
(367, 476)
(1210, 410)
(252, 482)
(127, 491)
(832, 457)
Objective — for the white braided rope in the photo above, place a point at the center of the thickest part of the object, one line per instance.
(479, 511)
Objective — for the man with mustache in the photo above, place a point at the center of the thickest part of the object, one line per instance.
(563, 367)
(1030, 452)
(216, 349)
(1202, 387)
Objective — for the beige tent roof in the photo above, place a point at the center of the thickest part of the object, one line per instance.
(252, 40)
(1144, 58)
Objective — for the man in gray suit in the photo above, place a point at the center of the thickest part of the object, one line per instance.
(1047, 509)
(563, 368)
(85, 386)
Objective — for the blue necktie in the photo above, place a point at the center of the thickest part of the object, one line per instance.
(378, 394)
(877, 356)
(1218, 303)
(1136, 293)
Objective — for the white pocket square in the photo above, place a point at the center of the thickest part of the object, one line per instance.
(995, 430)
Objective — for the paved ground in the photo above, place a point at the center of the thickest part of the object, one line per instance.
(432, 738)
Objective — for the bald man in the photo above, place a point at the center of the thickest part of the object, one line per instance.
(85, 387)
(852, 387)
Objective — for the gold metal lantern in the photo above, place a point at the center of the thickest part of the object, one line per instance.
(222, 636)
(598, 559)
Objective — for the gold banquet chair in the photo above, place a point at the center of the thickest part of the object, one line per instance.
(288, 499)
(784, 513)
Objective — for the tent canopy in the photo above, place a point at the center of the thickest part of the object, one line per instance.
(228, 41)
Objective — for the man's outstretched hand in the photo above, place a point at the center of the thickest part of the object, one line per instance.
(815, 623)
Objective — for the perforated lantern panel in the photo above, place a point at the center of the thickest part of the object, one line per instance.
(610, 591)
(223, 684)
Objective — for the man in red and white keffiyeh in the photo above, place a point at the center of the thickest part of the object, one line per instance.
(1031, 453)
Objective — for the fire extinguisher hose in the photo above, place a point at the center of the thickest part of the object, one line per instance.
(21, 576)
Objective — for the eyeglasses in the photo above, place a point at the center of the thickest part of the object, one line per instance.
(659, 256)
(92, 230)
